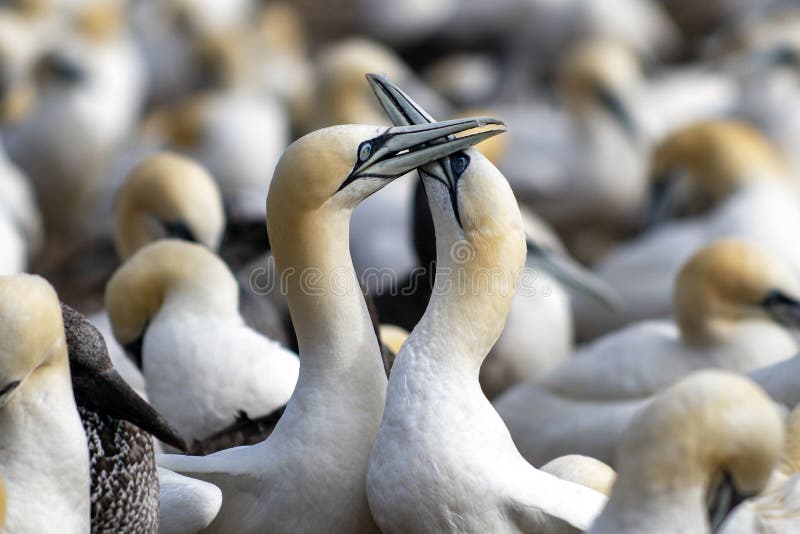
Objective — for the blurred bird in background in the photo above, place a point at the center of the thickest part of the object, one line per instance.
(644, 151)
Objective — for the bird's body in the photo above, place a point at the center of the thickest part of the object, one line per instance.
(730, 440)
(193, 341)
(123, 474)
(334, 412)
(460, 456)
(641, 270)
(725, 318)
(43, 456)
(724, 164)
(49, 492)
(639, 360)
(180, 338)
(186, 504)
(92, 82)
(124, 485)
(443, 460)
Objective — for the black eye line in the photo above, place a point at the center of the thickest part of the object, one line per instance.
(9, 387)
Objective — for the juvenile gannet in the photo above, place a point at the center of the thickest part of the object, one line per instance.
(583, 470)
(174, 306)
(118, 424)
(724, 164)
(443, 459)
(309, 474)
(43, 449)
(699, 449)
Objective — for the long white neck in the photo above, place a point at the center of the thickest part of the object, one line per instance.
(44, 456)
(337, 343)
(473, 290)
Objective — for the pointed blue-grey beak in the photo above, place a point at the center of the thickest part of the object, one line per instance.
(402, 110)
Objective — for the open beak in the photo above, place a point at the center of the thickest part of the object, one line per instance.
(573, 275)
(783, 308)
(110, 394)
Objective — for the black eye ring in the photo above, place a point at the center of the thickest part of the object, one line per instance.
(364, 151)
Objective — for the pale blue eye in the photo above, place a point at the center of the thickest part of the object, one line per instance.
(460, 164)
(364, 152)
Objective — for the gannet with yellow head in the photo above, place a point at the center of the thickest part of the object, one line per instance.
(170, 195)
(733, 302)
(443, 459)
(43, 456)
(740, 179)
(167, 196)
(525, 349)
(174, 306)
(381, 231)
(776, 508)
(320, 447)
(689, 458)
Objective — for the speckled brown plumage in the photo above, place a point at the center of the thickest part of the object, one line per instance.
(124, 480)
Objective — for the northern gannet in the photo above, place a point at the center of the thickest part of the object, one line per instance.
(43, 448)
(525, 348)
(164, 196)
(174, 306)
(699, 449)
(169, 196)
(309, 474)
(732, 302)
(443, 460)
(118, 424)
(777, 508)
(89, 79)
(381, 230)
(722, 164)
(730, 298)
